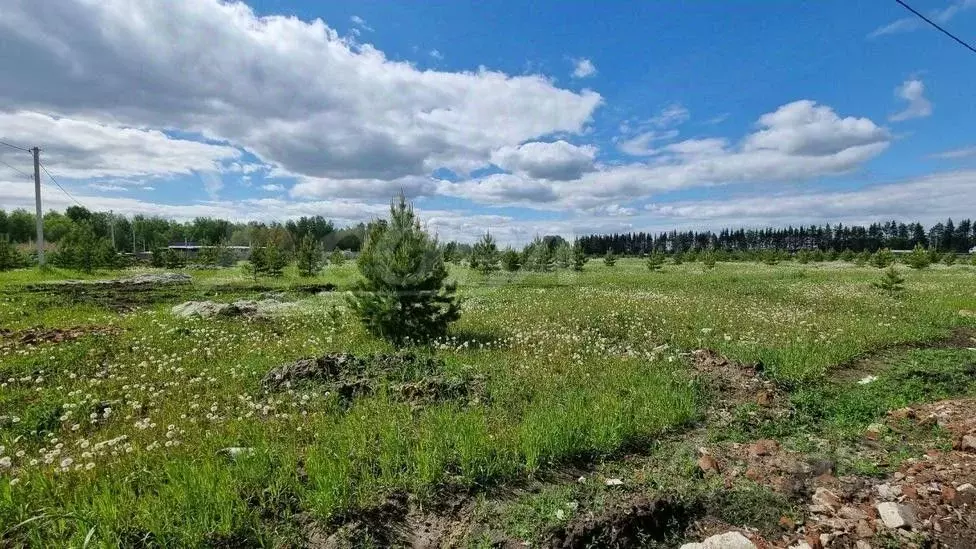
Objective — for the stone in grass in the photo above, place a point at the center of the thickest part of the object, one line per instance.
(728, 540)
(614, 482)
(895, 516)
(968, 443)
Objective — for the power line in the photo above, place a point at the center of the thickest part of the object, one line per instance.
(60, 187)
(14, 169)
(936, 25)
(14, 146)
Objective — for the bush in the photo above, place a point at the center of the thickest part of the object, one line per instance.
(309, 257)
(609, 260)
(158, 258)
(847, 255)
(403, 296)
(81, 249)
(173, 259)
(803, 257)
(677, 258)
(949, 259)
(337, 258)
(266, 260)
(708, 260)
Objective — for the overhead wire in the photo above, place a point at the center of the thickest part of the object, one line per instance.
(937, 26)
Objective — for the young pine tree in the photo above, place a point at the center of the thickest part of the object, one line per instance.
(10, 258)
(403, 296)
(708, 260)
(949, 259)
(882, 258)
(309, 257)
(564, 255)
(275, 259)
(655, 260)
(484, 255)
(579, 256)
(918, 258)
(337, 258)
(678, 258)
(609, 260)
(511, 260)
(891, 282)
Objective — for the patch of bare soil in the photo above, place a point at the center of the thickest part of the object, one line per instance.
(732, 384)
(121, 294)
(415, 379)
(36, 336)
(632, 523)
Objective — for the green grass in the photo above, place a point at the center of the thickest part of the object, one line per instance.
(578, 367)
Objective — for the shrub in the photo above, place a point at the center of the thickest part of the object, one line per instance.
(158, 258)
(677, 258)
(609, 260)
(337, 258)
(949, 259)
(803, 257)
(484, 255)
(403, 296)
(309, 257)
(847, 255)
(81, 249)
(862, 258)
(173, 259)
(266, 260)
(564, 255)
(708, 260)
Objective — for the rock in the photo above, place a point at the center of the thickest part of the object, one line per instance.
(825, 498)
(874, 431)
(861, 544)
(763, 448)
(707, 464)
(885, 491)
(965, 495)
(863, 529)
(895, 516)
(867, 379)
(613, 482)
(909, 491)
(235, 452)
(728, 540)
(852, 513)
(968, 443)
(210, 309)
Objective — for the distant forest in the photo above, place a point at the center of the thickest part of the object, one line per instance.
(141, 233)
(945, 237)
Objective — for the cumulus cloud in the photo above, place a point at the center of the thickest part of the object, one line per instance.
(363, 189)
(88, 149)
(642, 144)
(293, 92)
(912, 91)
(798, 141)
(557, 160)
(583, 68)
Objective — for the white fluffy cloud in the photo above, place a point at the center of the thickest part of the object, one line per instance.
(293, 92)
(798, 141)
(583, 68)
(86, 149)
(557, 160)
(918, 106)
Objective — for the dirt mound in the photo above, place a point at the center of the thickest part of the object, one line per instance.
(731, 385)
(35, 336)
(627, 524)
(411, 377)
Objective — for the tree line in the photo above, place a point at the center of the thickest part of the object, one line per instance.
(944, 237)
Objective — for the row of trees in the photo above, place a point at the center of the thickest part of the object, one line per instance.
(944, 237)
(144, 233)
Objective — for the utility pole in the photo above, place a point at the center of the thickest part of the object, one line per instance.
(37, 202)
(111, 227)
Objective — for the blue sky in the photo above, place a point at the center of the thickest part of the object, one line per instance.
(549, 117)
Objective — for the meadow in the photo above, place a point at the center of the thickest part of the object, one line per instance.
(120, 436)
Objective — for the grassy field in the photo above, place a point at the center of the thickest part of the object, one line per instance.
(115, 437)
